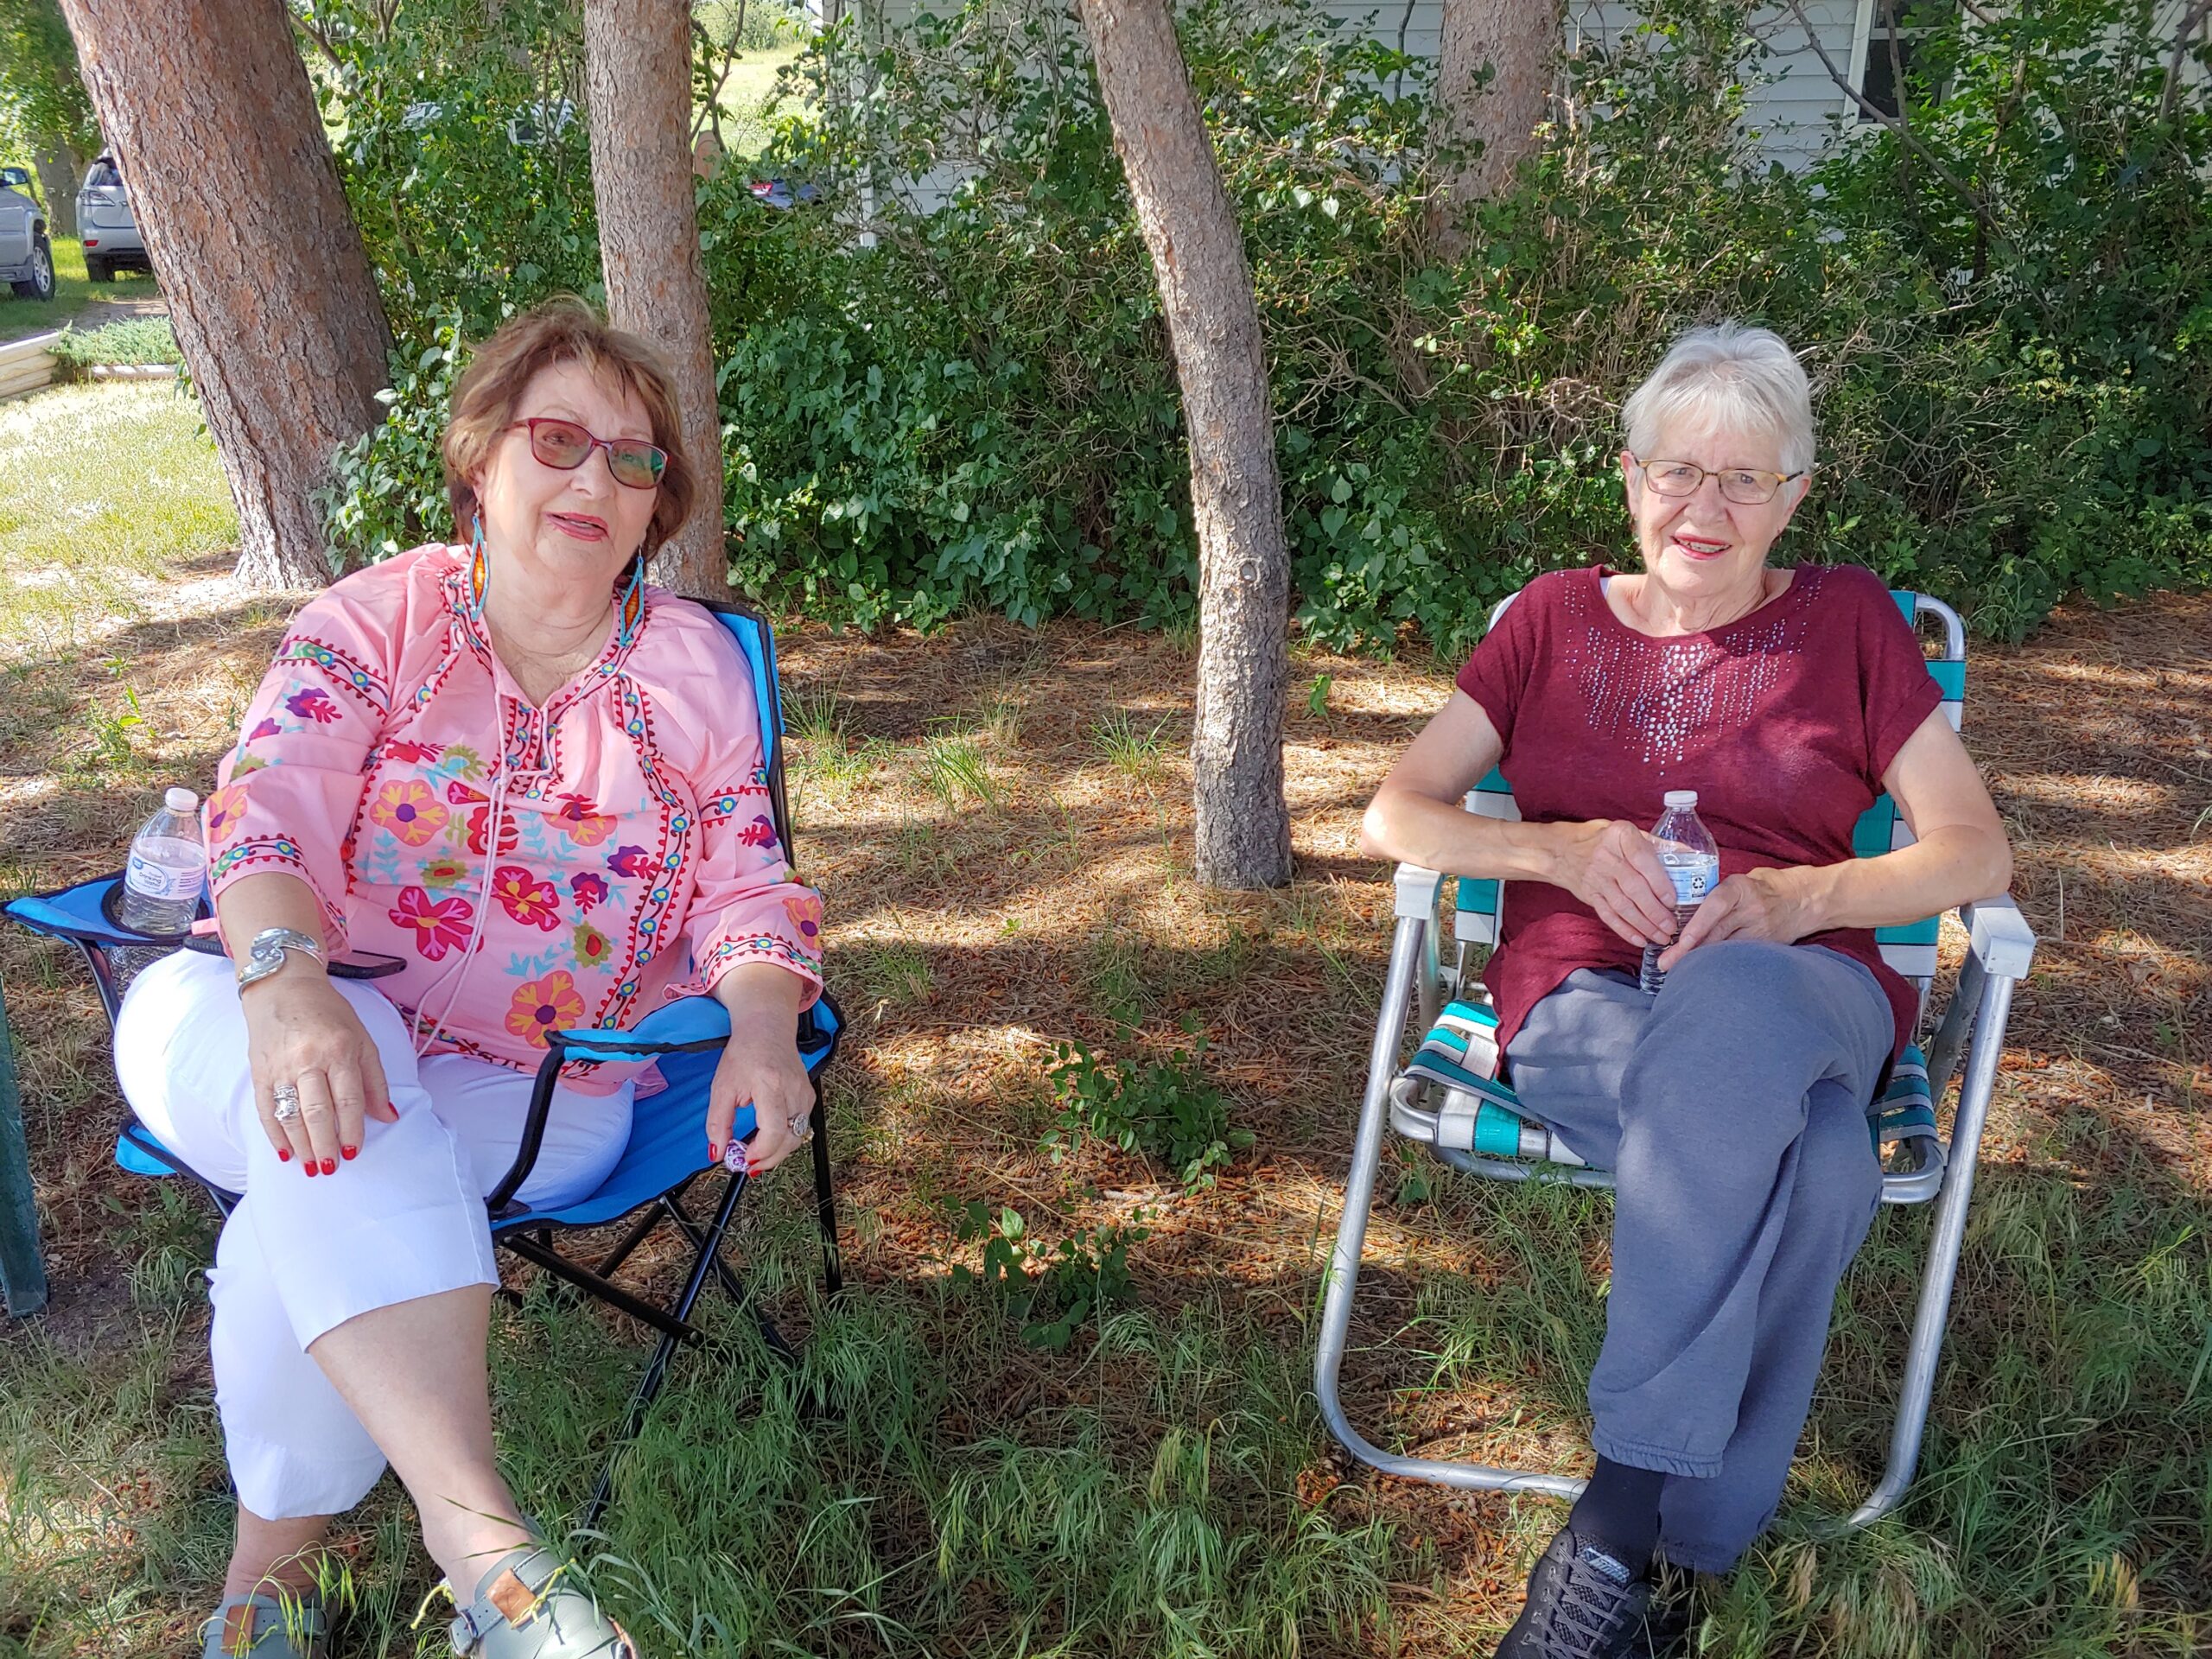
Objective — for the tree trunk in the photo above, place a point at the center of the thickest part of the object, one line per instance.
(208, 105)
(1213, 325)
(60, 170)
(638, 86)
(1489, 128)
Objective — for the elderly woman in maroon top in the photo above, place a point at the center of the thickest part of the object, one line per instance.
(1787, 699)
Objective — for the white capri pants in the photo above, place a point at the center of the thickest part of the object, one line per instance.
(300, 1255)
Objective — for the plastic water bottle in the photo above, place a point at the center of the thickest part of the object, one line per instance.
(1692, 862)
(162, 882)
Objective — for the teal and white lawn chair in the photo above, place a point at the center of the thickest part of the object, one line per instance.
(1444, 1101)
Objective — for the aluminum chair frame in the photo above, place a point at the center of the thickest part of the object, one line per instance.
(2001, 948)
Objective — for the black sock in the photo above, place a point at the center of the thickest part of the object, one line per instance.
(1618, 1511)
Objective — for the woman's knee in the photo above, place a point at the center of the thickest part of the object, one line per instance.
(1838, 1172)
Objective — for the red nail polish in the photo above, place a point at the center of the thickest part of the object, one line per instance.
(309, 1167)
(283, 1155)
(330, 1165)
(714, 1152)
(349, 1152)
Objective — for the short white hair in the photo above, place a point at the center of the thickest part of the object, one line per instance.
(1728, 376)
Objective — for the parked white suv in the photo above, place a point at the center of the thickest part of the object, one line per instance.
(104, 220)
(26, 258)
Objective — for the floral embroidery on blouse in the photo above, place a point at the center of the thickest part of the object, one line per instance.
(576, 864)
(439, 924)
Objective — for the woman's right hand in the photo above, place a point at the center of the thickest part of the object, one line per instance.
(1613, 866)
(301, 1031)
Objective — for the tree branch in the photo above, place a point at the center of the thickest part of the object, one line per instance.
(2171, 93)
(1904, 133)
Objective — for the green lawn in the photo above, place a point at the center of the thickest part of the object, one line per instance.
(72, 292)
(745, 96)
(102, 486)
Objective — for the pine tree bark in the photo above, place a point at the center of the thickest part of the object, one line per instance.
(1213, 326)
(276, 313)
(1489, 128)
(638, 83)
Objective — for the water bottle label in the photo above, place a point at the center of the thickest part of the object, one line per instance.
(1693, 878)
(145, 877)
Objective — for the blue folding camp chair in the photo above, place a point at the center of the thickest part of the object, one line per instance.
(667, 1148)
(1446, 1100)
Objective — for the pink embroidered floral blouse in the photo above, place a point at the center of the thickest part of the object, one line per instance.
(575, 865)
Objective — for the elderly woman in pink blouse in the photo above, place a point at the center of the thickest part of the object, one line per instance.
(538, 781)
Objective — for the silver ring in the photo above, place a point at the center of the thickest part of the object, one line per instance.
(287, 1102)
(800, 1127)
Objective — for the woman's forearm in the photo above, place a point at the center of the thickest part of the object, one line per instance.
(762, 992)
(268, 899)
(1416, 828)
(1954, 865)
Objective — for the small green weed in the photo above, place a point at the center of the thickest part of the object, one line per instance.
(114, 736)
(1116, 970)
(1002, 719)
(1317, 695)
(1135, 752)
(814, 716)
(894, 971)
(1166, 1111)
(1051, 1288)
(955, 767)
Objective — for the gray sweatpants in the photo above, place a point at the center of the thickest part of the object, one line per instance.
(1732, 1108)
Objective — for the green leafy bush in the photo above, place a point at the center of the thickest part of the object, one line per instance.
(751, 25)
(1053, 1288)
(946, 387)
(387, 491)
(1166, 1110)
(458, 132)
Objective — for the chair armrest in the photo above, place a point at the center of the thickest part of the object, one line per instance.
(1999, 936)
(1417, 891)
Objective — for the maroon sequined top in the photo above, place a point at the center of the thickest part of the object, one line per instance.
(1783, 721)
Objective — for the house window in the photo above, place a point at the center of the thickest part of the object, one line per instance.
(1895, 31)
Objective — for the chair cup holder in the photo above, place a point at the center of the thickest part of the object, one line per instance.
(111, 913)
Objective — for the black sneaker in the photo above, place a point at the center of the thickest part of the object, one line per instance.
(1582, 1604)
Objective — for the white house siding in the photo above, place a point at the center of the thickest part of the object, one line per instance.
(1793, 111)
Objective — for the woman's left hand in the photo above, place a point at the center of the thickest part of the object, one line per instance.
(760, 1066)
(1755, 904)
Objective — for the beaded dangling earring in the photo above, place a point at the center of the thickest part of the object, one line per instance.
(630, 605)
(479, 570)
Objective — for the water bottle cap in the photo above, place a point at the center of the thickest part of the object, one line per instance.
(1681, 798)
(180, 800)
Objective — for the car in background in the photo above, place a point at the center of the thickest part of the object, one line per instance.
(26, 256)
(105, 224)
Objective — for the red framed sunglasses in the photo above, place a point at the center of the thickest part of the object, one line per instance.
(564, 446)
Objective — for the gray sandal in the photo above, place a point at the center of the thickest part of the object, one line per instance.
(524, 1609)
(264, 1626)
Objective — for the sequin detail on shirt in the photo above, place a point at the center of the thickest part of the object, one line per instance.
(1662, 696)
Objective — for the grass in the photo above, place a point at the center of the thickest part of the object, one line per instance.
(72, 292)
(928, 1483)
(745, 98)
(101, 488)
(1135, 752)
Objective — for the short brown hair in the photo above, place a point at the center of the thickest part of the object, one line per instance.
(564, 329)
